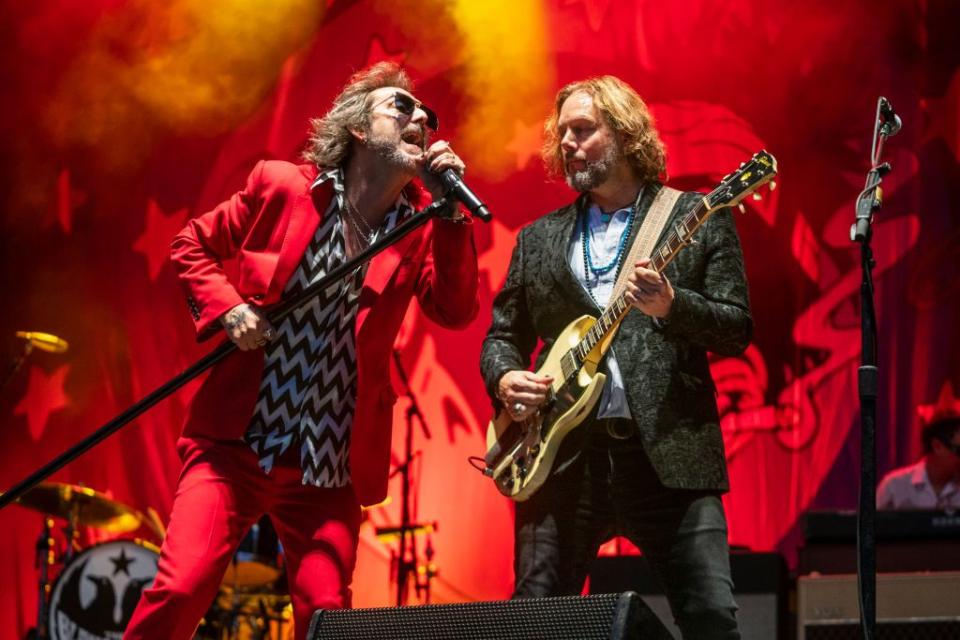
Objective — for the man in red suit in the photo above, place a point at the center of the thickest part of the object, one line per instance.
(297, 423)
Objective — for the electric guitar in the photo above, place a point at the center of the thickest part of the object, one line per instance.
(520, 455)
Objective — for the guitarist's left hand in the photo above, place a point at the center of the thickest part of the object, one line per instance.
(649, 291)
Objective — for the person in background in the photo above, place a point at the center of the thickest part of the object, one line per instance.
(934, 481)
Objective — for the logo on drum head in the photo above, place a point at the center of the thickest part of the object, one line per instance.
(95, 595)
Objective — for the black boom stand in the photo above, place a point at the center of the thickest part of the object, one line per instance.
(407, 559)
(887, 124)
(440, 208)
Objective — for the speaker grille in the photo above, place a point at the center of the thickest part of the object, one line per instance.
(597, 617)
(916, 630)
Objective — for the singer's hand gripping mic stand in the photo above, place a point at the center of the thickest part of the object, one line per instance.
(442, 208)
(886, 125)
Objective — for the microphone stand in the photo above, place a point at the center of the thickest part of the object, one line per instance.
(407, 566)
(17, 362)
(438, 209)
(868, 203)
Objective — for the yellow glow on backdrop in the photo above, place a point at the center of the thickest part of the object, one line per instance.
(431, 35)
(509, 78)
(181, 67)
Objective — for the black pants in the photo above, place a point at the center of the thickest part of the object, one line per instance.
(611, 489)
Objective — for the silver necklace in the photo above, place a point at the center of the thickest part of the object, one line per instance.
(359, 224)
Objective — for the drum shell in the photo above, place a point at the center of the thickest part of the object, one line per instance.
(97, 591)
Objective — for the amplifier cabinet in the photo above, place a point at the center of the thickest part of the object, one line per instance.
(909, 605)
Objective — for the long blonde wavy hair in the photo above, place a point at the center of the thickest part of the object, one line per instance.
(625, 113)
(330, 137)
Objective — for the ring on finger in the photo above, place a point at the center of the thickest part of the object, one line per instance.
(519, 407)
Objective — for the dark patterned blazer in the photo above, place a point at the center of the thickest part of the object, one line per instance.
(668, 384)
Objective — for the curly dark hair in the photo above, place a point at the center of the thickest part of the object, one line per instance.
(940, 427)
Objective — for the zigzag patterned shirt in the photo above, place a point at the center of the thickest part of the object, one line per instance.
(308, 390)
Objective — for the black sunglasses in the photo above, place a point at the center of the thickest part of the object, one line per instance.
(407, 105)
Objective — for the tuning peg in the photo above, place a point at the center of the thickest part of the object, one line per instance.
(742, 208)
(757, 196)
(773, 185)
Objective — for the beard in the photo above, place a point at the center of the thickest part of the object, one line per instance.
(389, 150)
(594, 173)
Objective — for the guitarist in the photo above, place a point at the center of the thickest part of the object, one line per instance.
(649, 464)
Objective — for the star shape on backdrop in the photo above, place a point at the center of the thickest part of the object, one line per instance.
(526, 142)
(377, 52)
(122, 562)
(942, 116)
(596, 10)
(44, 395)
(946, 404)
(159, 229)
(495, 261)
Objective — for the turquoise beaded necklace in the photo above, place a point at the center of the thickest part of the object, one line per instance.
(588, 266)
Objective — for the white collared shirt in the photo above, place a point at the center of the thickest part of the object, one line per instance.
(909, 488)
(604, 240)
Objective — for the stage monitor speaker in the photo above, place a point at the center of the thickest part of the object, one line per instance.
(910, 606)
(616, 616)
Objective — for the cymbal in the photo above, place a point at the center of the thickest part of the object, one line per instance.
(239, 602)
(90, 508)
(249, 574)
(388, 534)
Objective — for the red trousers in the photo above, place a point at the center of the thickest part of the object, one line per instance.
(220, 494)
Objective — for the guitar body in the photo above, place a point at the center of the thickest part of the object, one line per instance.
(520, 455)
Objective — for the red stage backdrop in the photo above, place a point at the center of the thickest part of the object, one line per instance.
(124, 118)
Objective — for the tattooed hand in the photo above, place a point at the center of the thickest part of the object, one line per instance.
(247, 327)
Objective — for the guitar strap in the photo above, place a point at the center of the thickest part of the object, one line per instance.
(650, 230)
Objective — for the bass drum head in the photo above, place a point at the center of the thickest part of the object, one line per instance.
(95, 595)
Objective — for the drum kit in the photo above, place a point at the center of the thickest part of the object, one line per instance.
(96, 589)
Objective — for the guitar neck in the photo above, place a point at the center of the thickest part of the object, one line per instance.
(606, 325)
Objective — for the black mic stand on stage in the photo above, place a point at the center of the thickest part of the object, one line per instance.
(407, 562)
(16, 362)
(439, 209)
(868, 202)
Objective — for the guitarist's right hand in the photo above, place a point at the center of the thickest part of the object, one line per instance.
(522, 392)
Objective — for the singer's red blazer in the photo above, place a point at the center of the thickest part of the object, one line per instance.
(267, 227)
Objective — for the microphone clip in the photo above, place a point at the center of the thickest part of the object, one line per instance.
(444, 207)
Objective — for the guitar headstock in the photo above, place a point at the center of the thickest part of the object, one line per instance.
(751, 175)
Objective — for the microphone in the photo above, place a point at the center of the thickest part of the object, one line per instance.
(455, 185)
(891, 121)
(44, 341)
